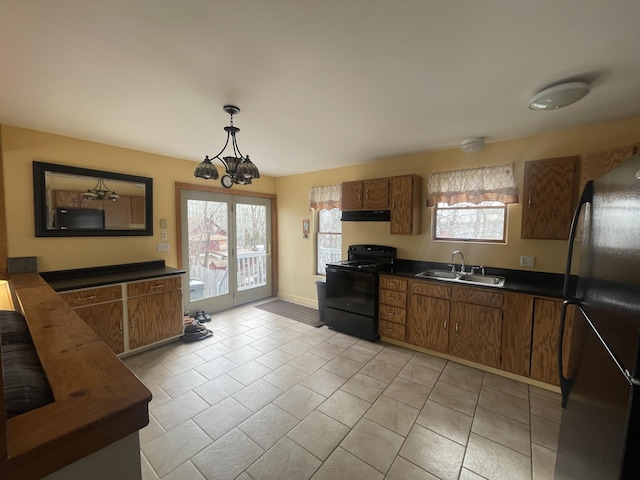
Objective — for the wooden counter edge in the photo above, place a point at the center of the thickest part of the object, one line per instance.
(86, 415)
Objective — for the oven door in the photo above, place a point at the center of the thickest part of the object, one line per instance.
(351, 290)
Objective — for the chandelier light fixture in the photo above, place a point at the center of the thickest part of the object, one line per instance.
(239, 169)
(100, 192)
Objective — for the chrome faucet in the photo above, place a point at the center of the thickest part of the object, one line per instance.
(462, 257)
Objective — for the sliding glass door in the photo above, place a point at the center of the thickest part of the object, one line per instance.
(226, 249)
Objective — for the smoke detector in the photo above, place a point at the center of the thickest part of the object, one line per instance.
(472, 144)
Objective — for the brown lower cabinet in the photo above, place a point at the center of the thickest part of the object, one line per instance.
(157, 313)
(510, 331)
(544, 348)
(154, 312)
(429, 312)
(102, 309)
(476, 333)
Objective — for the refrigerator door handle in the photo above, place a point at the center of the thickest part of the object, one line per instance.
(585, 197)
(566, 383)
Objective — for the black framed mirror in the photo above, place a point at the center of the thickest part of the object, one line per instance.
(81, 202)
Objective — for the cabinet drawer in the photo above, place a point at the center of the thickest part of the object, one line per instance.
(393, 283)
(392, 314)
(430, 290)
(392, 330)
(479, 297)
(157, 285)
(90, 296)
(393, 298)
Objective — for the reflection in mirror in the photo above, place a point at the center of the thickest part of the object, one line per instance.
(73, 201)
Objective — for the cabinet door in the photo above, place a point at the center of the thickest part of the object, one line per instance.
(544, 348)
(476, 333)
(375, 194)
(549, 198)
(428, 322)
(351, 196)
(106, 320)
(154, 317)
(405, 205)
(516, 333)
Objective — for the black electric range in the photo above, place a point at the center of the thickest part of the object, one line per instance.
(351, 304)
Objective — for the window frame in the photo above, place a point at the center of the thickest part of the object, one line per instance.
(503, 206)
(318, 233)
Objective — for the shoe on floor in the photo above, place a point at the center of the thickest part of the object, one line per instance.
(196, 336)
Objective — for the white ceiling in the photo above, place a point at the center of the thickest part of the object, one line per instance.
(320, 84)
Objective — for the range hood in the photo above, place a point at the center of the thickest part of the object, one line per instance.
(366, 216)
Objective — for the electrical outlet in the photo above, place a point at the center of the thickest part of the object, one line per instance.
(527, 261)
(163, 223)
(163, 235)
(163, 247)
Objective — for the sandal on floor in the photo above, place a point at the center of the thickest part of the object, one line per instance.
(207, 317)
(199, 317)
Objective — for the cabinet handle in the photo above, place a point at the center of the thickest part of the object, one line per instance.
(445, 326)
(90, 297)
(133, 326)
(457, 329)
(529, 201)
(389, 330)
(390, 314)
(157, 286)
(390, 297)
(121, 328)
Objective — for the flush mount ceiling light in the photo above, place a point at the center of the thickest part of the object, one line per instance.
(100, 192)
(559, 96)
(240, 170)
(472, 144)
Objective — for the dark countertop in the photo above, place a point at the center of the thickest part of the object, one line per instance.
(521, 281)
(64, 280)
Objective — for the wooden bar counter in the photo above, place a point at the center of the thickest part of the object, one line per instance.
(98, 401)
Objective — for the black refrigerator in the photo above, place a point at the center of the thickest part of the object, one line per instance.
(600, 428)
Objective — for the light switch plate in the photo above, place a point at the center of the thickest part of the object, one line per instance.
(527, 261)
(163, 247)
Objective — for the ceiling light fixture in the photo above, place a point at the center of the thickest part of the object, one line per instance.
(100, 192)
(240, 169)
(472, 144)
(559, 96)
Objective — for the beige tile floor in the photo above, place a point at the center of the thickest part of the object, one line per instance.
(270, 398)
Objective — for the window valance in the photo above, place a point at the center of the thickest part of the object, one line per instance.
(473, 185)
(326, 197)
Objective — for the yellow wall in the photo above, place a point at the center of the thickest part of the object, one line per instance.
(296, 255)
(21, 147)
(297, 281)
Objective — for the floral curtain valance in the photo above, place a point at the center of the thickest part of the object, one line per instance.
(327, 197)
(473, 185)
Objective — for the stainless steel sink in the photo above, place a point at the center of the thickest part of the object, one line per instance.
(471, 278)
(438, 274)
(482, 279)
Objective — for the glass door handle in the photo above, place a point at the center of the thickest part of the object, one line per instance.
(269, 248)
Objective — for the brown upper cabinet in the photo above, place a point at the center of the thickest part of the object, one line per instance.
(401, 195)
(405, 203)
(549, 198)
(366, 195)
